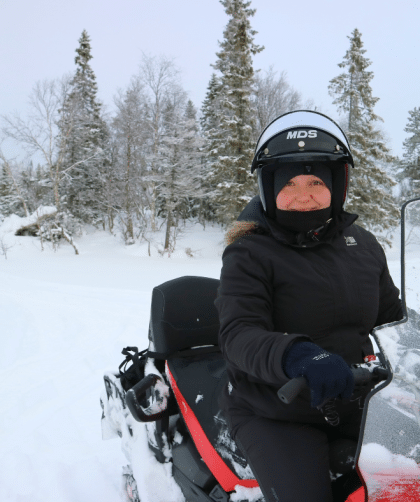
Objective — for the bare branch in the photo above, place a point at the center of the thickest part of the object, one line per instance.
(4, 248)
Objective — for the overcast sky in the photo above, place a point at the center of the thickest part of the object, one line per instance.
(306, 38)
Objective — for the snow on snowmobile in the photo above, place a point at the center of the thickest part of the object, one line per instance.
(172, 390)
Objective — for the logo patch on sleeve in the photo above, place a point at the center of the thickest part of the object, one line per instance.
(350, 241)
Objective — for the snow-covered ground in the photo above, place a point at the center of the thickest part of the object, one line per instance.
(64, 320)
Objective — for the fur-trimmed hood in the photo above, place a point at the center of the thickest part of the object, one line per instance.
(250, 221)
(240, 228)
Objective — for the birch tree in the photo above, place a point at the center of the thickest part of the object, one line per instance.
(272, 96)
(159, 76)
(37, 134)
(130, 135)
(180, 163)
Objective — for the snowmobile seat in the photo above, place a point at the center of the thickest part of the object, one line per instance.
(183, 314)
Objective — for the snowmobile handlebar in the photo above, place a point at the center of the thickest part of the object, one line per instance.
(362, 377)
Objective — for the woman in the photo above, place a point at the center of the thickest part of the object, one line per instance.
(301, 288)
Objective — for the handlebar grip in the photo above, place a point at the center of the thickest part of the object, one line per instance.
(291, 389)
(362, 377)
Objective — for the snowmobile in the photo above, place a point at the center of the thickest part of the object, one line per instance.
(172, 389)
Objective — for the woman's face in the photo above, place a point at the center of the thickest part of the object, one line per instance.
(304, 193)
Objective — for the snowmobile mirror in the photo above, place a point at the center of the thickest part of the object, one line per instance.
(148, 399)
(388, 453)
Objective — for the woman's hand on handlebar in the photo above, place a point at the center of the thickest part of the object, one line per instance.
(327, 375)
(363, 377)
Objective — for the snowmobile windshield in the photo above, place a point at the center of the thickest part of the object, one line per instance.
(389, 447)
(302, 119)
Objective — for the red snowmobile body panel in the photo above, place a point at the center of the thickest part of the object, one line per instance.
(224, 475)
(396, 492)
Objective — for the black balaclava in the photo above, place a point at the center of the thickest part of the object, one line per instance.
(302, 221)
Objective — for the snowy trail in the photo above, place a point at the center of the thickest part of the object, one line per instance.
(64, 321)
(56, 340)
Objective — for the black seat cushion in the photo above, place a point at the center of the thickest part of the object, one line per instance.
(183, 314)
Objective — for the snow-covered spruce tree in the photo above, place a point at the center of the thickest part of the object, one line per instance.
(12, 197)
(410, 163)
(10, 201)
(209, 123)
(129, 140)
(370, 194)
(233, 141)
(83, 138)
(5, 209)
(192, 151)
(210, 109)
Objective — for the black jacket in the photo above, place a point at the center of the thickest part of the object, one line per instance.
(273, 292)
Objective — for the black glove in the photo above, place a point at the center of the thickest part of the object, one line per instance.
(328, 375)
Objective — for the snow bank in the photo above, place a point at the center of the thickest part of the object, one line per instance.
(385, 472)
(13, 222)
(377, 459)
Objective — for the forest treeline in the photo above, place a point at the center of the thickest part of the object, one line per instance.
(159, 160)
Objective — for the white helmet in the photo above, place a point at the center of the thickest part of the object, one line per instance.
(302, 137)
